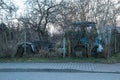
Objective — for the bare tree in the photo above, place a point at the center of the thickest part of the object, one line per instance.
(6, 11)
(40, 14)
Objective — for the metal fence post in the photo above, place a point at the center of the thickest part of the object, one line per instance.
(25, 42)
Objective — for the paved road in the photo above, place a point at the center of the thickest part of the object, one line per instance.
(95, 67)
(57, 76)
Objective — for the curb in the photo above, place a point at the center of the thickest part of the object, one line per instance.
(53, 70)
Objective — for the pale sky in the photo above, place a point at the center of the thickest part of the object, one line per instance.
(20, 4)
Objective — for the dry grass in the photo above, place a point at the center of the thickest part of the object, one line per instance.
(114, 59)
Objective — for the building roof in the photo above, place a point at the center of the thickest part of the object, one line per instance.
(85, 24)
(109, 28)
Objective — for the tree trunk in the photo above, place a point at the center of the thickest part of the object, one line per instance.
(40, 34)
(69, 48)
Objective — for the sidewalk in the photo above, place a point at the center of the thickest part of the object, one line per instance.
(61, 67)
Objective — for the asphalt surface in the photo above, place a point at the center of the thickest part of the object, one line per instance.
(57, 76)
(59, 71)
(60, 67)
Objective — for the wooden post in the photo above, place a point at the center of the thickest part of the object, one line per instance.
(25, 43)
(115, 41)
(69, 48)
(108, 44)
(64, 47)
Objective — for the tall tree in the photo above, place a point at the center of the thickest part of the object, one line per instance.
(41, 12)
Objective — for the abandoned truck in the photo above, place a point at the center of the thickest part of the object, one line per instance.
(83, 40)
(33, 47)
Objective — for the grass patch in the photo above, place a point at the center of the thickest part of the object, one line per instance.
(114, 59)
